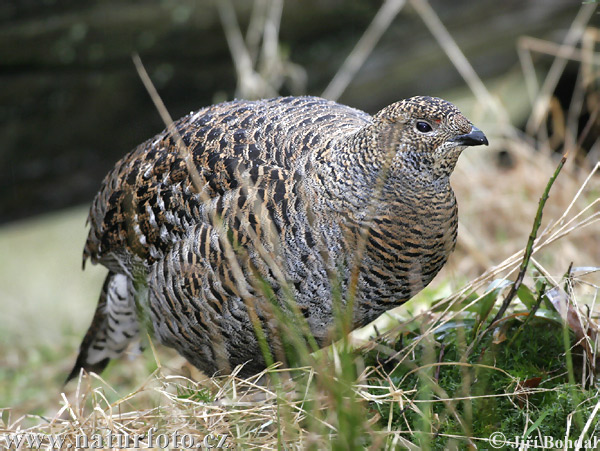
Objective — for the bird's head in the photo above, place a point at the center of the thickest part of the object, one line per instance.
(425, 134)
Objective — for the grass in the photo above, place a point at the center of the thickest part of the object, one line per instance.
(440, 372)
(410, 387)
(499, 387)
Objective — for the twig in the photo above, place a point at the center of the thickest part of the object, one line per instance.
(526, 257)
(551, 48)
(363, 48)
(250, 83)
(567, 49)
(457, 57)
(531, 82)
(255, 29)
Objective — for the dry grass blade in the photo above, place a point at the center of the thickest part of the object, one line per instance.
(363, 48)
(556, 50)
(464, 67)
(168, 121)
(566, 51)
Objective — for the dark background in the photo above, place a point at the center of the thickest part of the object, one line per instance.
(71, 102)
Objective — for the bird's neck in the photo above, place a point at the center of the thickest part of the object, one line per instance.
(400, 223)
(370, 172)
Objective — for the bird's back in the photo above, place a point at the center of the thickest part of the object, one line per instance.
(151, 197)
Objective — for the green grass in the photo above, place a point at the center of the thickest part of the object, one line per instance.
(486, 378)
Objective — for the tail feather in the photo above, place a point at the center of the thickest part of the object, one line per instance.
(114, 326)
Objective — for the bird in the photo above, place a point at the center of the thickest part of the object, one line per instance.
(245, 208)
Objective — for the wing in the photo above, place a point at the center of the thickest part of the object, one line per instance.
(151, 198)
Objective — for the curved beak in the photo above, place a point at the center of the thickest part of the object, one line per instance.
(475, 138)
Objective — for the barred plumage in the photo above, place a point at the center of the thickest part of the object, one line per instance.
(294, 192)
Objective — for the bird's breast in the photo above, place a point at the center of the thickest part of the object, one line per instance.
(406, 246)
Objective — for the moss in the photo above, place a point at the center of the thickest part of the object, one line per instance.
(535, 359)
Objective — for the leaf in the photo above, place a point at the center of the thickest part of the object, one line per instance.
(499, 334)
(560, 300)
(486, 303)
(549, 314)
(532, 382)
(526, 296)
(536, 423)
(522, 397)
(465, 301)
(483, 309)
(449, 326)
(579, 271)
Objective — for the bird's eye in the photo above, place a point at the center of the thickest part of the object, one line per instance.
(423, 127)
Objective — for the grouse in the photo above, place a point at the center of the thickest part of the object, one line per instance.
(244, 206)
